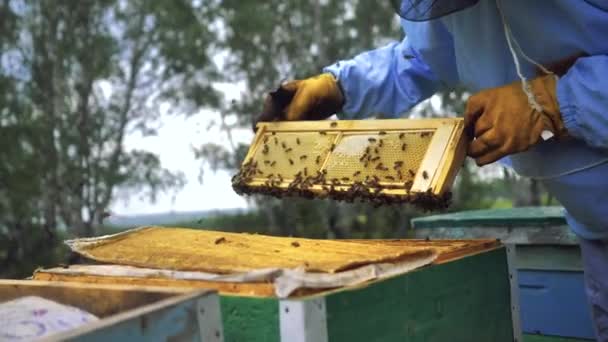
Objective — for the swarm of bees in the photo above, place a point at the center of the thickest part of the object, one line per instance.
(316, 184)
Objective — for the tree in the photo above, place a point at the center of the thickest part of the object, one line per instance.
(76, 78)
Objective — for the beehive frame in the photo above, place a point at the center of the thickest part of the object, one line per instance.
(433, 173)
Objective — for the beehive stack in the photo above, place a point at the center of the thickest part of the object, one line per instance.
(380, 161)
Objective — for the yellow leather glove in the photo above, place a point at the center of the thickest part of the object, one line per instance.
(503, 121)
(314, 98)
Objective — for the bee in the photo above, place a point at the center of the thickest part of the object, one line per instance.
(270, 175)
(403, 146)
(260, 172)
(219, 240)
(295, 244)
(401, 135)
(283, 144)
(288, 150)
(265, 139)
(318, 160)
(298, 141)
(398, 164)
(266, 162)
(399, 174)
(303, 157)
(371, 140)
(362, 157)
(265, 149)
(274, 133)
(332, 147)
(412, 173)
(345, 179)
(425, 175)
(356, 173)
(376, 150)
(290, 161)
(390, 178)
(323, 133)
(424, 134)
(273, 163)
(379, 166)
(382, 132)
(381, 143)
(305, 171)
(365, 164)
(276, 141)
(333, 124)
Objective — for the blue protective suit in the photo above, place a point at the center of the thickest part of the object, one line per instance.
(469, 48)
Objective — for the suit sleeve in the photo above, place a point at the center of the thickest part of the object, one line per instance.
(582, 94)
(392, 79)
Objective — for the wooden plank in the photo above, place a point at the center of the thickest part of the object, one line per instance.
(170, 319)
(447, 302)
(100, 300)
(242, 289)
(333, 125)
(454, 158)
(431, 164)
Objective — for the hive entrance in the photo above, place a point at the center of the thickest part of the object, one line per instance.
(382, 161)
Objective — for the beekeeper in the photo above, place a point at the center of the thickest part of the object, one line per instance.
(538, 72)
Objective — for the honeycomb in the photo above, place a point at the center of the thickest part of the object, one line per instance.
(288, 153)
(392, 157)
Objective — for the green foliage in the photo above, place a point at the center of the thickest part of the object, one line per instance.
(76, 77)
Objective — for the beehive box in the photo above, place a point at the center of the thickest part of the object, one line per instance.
(381, 161)
(127, 313)
(448, 300)
(547, 257)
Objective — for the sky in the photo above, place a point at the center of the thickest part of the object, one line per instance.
(173, 144)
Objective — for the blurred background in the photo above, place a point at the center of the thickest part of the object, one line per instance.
(116, 114)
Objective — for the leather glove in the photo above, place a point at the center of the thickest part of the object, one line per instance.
(314, 98)
(503, 122)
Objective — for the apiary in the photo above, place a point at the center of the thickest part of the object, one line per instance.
(295, 289)
(380, 161)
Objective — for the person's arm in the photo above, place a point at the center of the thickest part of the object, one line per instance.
(392, 79)
(582, 94)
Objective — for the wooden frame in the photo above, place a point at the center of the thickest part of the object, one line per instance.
(134, 313)
(439, 166)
